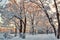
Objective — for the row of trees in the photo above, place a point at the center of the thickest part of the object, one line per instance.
(20, 12)
(49, 18)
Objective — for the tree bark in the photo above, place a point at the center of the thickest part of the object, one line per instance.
(25, 26)
(20, 30)
(24, 30)
(32, 24)
(57, 14)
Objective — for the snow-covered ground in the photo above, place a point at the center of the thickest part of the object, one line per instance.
(32, 37)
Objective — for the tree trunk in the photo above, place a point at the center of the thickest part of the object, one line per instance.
(24, 29)
(32, 30)
(32, 24)
(57, 14)
(54, 30)
(15, 31)
(47, 30)
(20, 30)
(49, 18)
(25, 25)
(58, 30)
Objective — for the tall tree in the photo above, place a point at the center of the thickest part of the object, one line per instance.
(57, 14)
(49, 18)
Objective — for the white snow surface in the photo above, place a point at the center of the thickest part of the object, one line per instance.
(32, 37)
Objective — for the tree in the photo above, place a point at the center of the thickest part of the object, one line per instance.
(57, 14)
(49, 18)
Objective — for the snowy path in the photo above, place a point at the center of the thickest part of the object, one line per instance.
(38, 37)
(34, 37)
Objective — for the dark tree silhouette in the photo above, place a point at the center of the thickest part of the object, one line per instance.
(57, 14)
(49, 18)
